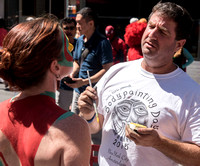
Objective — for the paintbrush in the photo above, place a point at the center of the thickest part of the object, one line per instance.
(94, 103)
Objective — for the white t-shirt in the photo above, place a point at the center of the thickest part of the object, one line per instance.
(169, 103)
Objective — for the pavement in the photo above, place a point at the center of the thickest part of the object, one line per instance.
(5, 94)
(193, 71)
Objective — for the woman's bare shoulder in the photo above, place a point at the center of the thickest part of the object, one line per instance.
(7, 152)
(67, 141)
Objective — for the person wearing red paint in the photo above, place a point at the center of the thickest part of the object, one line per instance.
(133, 36)
(119, 48)
(34, 131)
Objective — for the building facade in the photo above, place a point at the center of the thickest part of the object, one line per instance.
(111, 12)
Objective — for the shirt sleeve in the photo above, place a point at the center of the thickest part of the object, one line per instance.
(78, 48)
(106, 52)
(192, 128)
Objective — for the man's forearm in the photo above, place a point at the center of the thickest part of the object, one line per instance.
(183, 153)
(95, 78)
(76, 68)
(98, 75)
(92, 122)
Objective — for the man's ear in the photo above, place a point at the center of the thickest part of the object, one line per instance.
(180, 44)
(91, 23)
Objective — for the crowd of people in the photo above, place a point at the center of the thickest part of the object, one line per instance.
(138, 79)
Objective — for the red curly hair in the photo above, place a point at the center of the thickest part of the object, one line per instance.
(133, 35)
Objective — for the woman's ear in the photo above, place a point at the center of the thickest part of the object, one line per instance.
(55, 68)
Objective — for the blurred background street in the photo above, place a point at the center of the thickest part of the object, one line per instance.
(193, 71)
(5, 94)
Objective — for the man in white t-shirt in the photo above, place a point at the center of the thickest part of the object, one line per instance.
(152, 92)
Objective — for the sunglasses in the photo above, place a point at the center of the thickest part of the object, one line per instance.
(69, 28)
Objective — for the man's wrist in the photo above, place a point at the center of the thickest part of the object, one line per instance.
(90, 120)
(87, 117)
(85, 81)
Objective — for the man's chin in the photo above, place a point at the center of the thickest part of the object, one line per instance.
(149, 55)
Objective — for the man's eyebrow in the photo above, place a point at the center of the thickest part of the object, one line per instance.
(162, 28)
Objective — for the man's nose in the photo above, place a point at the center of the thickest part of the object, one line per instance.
(153, 33)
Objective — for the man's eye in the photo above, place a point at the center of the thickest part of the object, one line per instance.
(151, 26)
(163, 32)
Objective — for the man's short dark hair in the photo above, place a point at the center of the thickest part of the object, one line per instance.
(89, 14)
(178, 14)
(68, 20)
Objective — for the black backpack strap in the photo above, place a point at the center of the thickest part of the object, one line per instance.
(84, 55)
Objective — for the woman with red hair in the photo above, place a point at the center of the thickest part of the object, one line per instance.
(34, 131)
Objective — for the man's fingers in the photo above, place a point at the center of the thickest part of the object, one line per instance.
(85, 101)
(91, 92)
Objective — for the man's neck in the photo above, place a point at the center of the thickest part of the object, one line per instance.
(170, 67)
(89, 35)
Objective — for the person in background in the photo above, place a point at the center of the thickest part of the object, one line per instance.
(133, 19)
(3, 33)
(152, 92)
(34, 131)
(78, 34)
(119, 48)
(65, 93)
(133, 35)
(183, 58)
(93, 52)
(144, 20)
(30, 18)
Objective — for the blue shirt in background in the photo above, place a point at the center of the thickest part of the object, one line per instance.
(100, 53)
